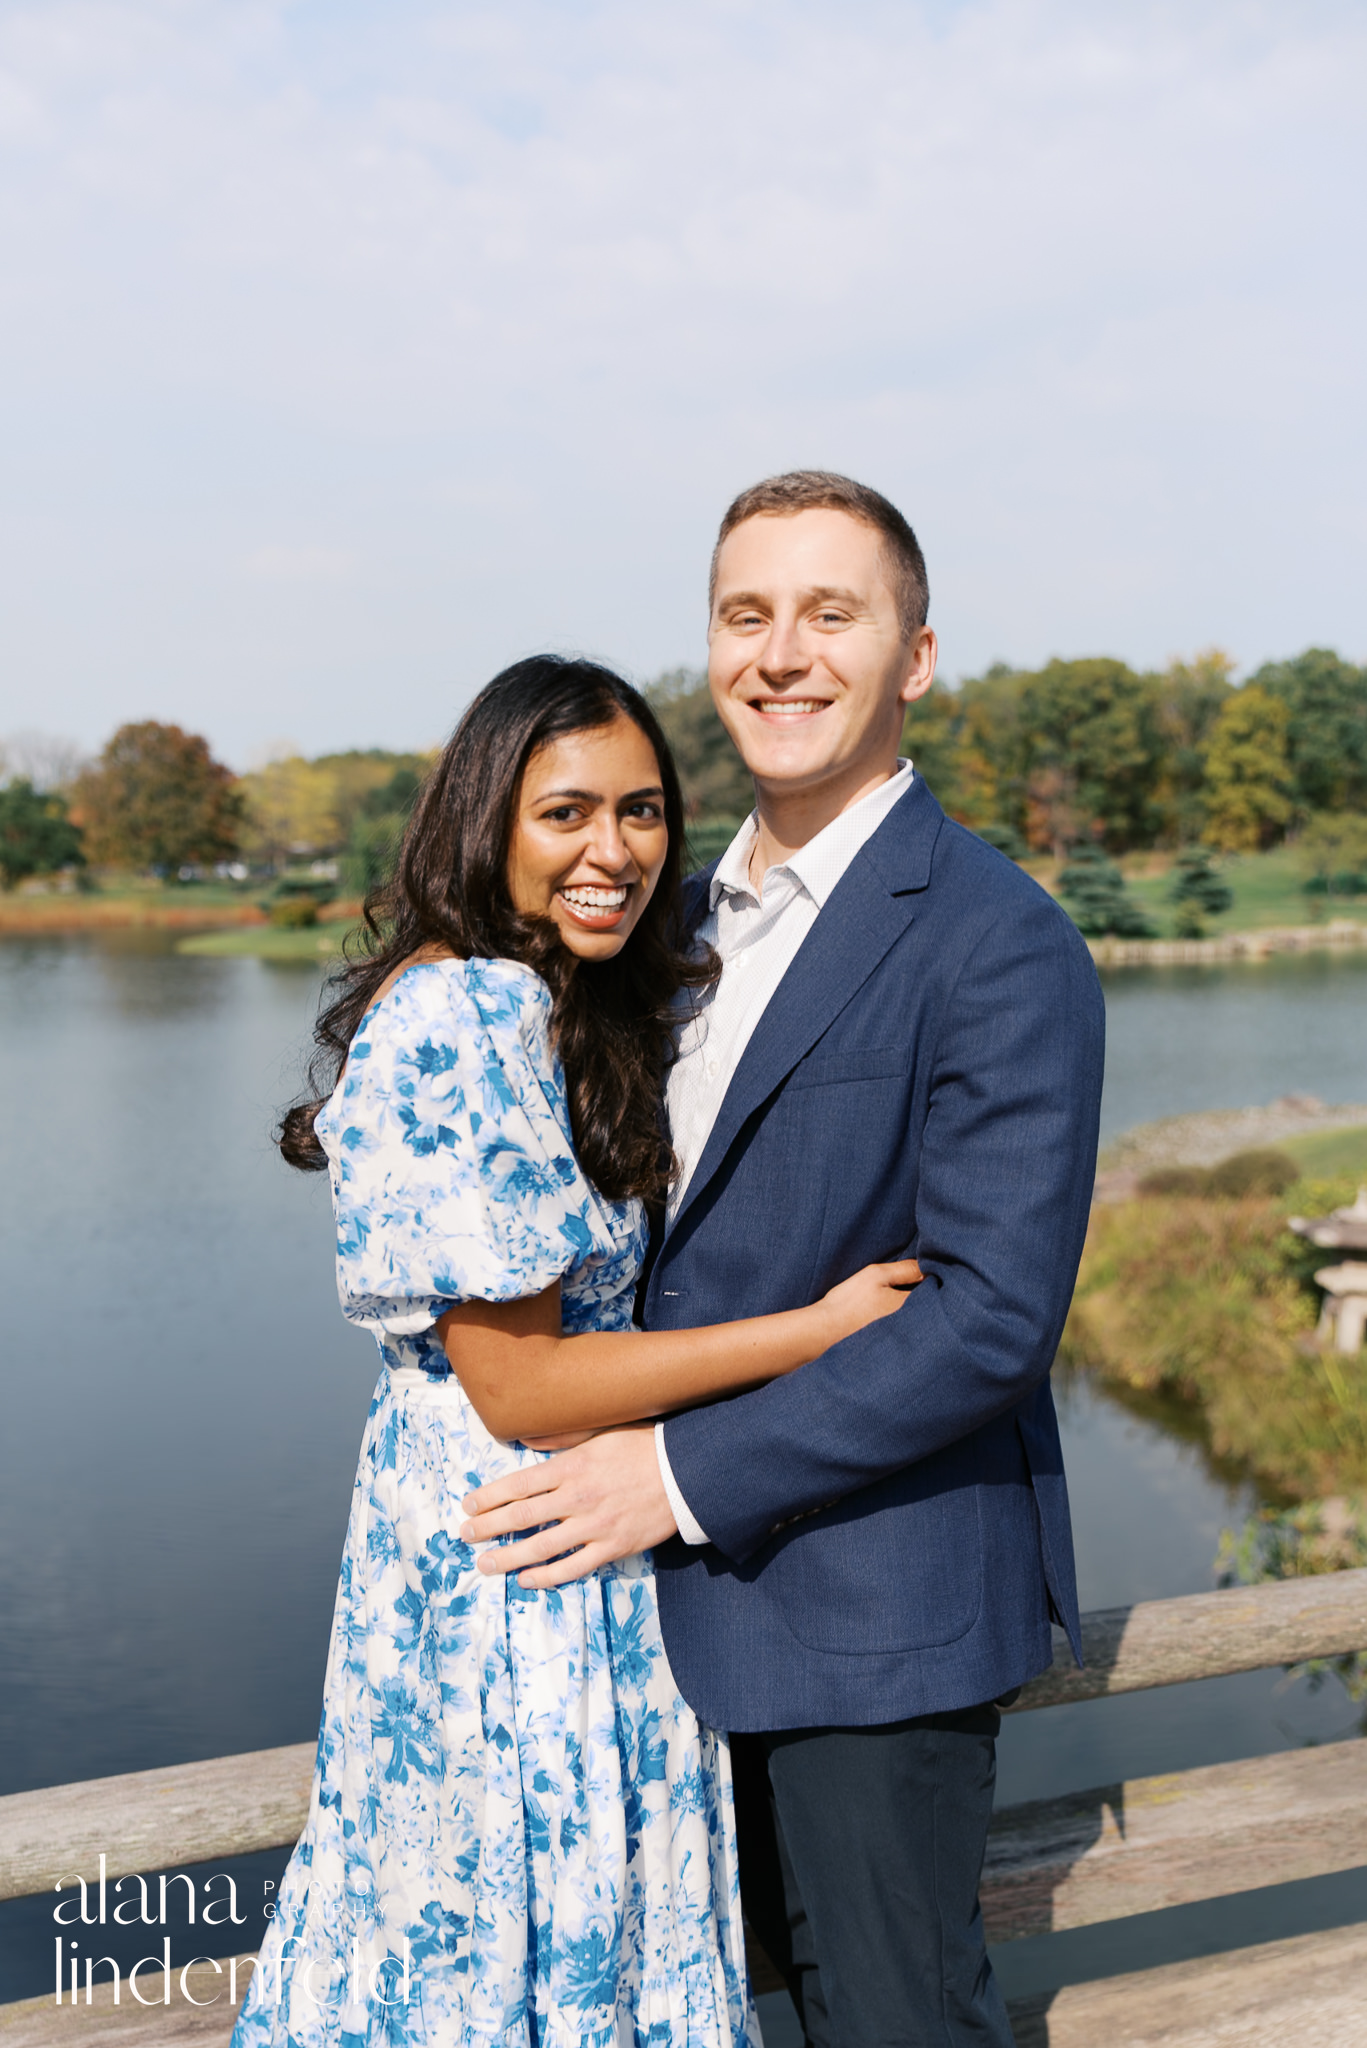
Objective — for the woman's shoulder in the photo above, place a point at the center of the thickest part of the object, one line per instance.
(446, 999)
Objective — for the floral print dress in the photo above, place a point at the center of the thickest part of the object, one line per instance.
(518, 1832)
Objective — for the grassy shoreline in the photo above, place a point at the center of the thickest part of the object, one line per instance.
(232, 912)
(264, 941)
(1271, 910)
(1209, 1302)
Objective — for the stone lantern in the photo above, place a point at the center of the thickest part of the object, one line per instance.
(1344, 1314)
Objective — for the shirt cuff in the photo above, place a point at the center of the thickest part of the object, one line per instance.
(683, 1515)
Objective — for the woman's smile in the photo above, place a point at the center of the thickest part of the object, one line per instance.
(596, 909)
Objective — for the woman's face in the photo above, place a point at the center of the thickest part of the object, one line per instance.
(589, 836)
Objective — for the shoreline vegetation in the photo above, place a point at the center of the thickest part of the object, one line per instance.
(1195, 1295)
(1270, 912)
(216, 919)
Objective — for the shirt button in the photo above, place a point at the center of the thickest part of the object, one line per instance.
(712, 1066)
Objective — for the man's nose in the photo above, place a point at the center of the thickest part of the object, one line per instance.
(783, 655)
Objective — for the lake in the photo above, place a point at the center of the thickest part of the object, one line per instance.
(183, 1402)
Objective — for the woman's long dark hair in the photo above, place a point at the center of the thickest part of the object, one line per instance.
(610, 1019)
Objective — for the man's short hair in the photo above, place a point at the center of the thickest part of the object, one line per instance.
(809, 490)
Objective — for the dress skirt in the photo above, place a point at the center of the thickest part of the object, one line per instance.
(519, 1836)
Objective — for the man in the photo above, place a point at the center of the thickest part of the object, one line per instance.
(902, 1057)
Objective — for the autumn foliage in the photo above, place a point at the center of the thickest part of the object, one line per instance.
(156, 798)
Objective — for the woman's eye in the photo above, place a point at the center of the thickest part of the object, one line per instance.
(563, 814)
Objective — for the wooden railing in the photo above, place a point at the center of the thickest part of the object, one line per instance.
(1054, 1863)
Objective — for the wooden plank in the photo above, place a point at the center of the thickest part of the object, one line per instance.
(42, 2023)
(1307, 1992)
(191, 1813)
(1310, 1992)
(1168, 1841)
(154, 1820)
(1206, 1635)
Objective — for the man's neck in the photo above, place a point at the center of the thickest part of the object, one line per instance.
(790, 819)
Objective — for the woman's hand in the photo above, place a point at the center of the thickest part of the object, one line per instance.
(872, 1292)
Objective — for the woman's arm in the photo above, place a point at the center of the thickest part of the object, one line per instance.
(526, 1379)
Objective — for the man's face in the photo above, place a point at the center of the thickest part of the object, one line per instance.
(806, 660)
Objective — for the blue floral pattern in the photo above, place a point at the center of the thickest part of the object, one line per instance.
(511, 1802)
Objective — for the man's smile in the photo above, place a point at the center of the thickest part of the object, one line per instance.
(789, 707)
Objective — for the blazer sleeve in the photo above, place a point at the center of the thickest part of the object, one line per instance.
(1008, 1159)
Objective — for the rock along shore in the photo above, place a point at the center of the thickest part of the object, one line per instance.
(1256, 945)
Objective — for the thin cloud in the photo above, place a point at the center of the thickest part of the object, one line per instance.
(508, 301)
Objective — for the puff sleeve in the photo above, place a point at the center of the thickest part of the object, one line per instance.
(454, 1175)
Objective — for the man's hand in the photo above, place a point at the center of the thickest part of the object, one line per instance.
(604, 1500)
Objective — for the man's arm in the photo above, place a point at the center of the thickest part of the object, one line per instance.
(1006, 1174)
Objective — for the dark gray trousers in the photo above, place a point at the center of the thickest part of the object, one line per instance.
(860, 1855)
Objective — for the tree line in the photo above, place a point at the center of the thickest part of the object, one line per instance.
(1081, 760)
(1093, 752)
(155, 801)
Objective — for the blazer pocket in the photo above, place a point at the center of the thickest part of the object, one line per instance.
(906, 1577)
(870, 1063)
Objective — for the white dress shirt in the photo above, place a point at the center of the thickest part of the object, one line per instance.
(757, 935)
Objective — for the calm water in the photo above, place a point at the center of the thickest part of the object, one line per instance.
(1188, 1038)
(183, 1403)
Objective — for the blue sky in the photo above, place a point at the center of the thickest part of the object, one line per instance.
(348, 351)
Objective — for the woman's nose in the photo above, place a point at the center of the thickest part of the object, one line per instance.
(607, 848)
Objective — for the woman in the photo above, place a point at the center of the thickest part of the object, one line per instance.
(518, 1832)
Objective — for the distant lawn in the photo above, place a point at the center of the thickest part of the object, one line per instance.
(1324, 1155)
(268, 942)
(1267, 892)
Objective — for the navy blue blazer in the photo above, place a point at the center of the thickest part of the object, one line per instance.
(890, 1529)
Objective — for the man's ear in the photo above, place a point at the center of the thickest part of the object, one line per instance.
(920, 673)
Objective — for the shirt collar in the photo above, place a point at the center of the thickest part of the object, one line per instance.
(820, 864)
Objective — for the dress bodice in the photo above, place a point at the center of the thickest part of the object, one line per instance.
(453, 1169)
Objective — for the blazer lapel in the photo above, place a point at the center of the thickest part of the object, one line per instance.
(865, 914)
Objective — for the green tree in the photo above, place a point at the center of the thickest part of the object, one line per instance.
(1332, 853)
(1094, 893)
(992, 751)
(298, 808)
(1095, 745)
(36, 835)
(1191, 695)
(1198, 891)
(377, 830)
(1062, 753)
(156, 798)
(932, 737)
(1326, 740)
(715, 780)
(1248, 780)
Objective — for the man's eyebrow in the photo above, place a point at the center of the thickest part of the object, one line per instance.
(821, 593)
